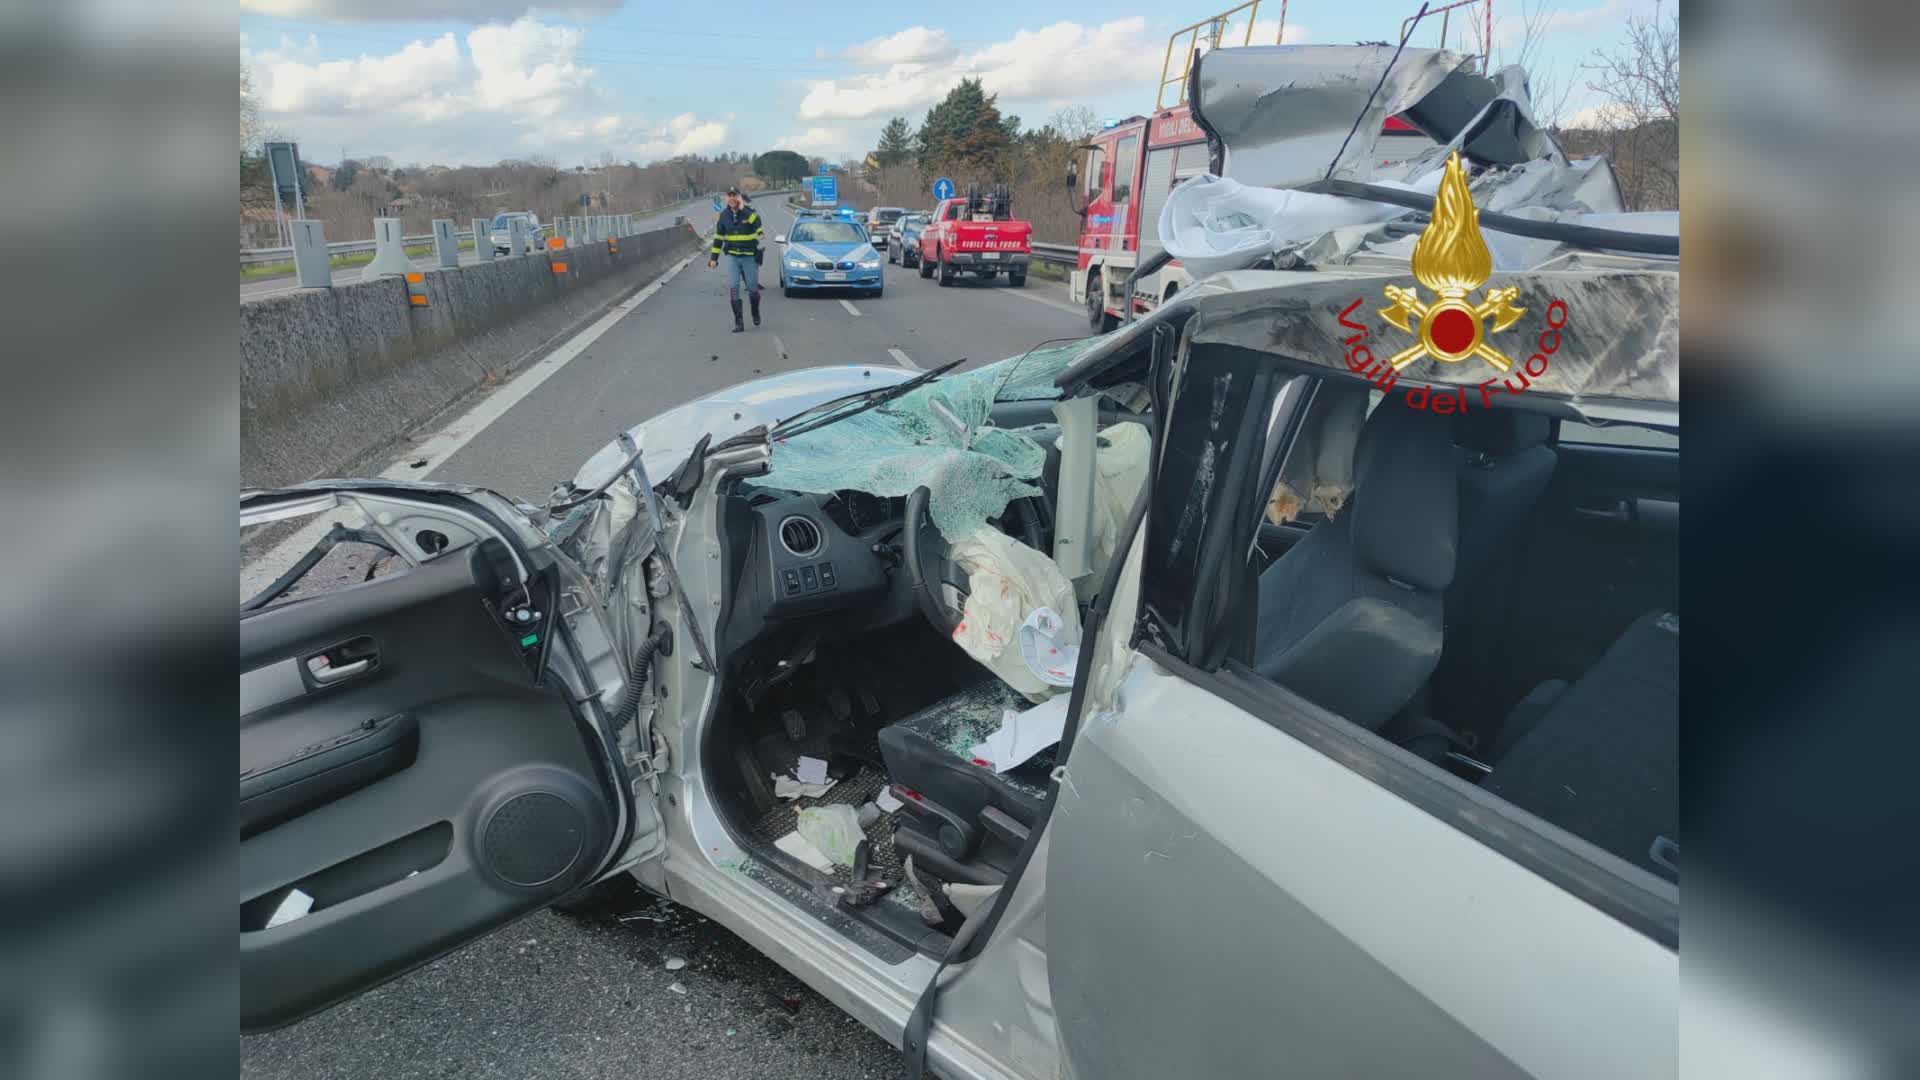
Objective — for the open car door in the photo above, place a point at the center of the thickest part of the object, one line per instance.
(424, 753)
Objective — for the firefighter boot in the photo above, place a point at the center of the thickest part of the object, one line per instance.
(738, 326)
(753, 301)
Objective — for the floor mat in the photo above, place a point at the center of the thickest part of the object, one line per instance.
(855, 791)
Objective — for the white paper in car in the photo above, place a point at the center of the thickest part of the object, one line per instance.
(1024, 734)
(1051, 660)
(295, 905)
(801, 848)
(810, 770)
(886, 800)
(786, 787)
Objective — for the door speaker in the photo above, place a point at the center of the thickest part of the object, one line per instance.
(533, 838)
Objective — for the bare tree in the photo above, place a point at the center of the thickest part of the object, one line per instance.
(1517, 39)
(1640, 79)
(1075, 122)
(249, 113)
(1548, 86)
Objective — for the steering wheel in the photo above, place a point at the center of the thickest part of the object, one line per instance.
(940, 585)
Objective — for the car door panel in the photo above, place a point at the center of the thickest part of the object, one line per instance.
(419, 800)
(1320, 924)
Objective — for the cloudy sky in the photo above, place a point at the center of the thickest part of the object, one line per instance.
(451, 82)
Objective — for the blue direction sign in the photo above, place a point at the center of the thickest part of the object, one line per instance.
(942, 189)
(718, 205)
(826, 191)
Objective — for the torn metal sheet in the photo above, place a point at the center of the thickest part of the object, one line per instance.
(1615, 353)
(1282, 112)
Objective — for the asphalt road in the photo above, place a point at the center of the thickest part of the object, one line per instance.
(262, 287)
(563, 997)
(677, 346)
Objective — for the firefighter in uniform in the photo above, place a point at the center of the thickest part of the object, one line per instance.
(736, 238)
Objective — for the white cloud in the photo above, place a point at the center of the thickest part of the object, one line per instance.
(1062, 62)
(528, 67)
(517, 88)
(1599, 117)
(914, 45)
(424, 80)
(824, 141)
(1509, 30)
(470, 11)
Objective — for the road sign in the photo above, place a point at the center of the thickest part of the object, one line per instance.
(718, 205)
(942, 189)
(283, 163)
(826, 191)
(586, 200)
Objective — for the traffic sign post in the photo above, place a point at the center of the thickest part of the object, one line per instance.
(825, 191)
(942, 189)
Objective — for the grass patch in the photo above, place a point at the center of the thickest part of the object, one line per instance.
(1049, 271)
(357, 258)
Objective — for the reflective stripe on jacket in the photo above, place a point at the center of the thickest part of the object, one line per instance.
(737, 232)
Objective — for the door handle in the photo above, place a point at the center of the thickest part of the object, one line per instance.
(1620, 511)
(342, 662)
(335, 672)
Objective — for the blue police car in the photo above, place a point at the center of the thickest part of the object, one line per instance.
(828, 253)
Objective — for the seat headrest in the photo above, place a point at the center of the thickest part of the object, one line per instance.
(1406, 496)
(1500, 432)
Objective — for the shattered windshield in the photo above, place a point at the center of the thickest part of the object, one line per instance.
(938, 434)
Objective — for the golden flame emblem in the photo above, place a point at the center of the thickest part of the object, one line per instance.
(1452, 260)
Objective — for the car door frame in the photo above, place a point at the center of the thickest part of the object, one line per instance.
(1162, 843)
(577, 656)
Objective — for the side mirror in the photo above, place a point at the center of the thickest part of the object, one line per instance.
(781, 239)
(1073, 180)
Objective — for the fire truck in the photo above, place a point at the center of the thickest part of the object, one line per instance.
(1126, 172)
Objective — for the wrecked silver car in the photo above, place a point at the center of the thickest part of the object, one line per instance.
(1291, 673)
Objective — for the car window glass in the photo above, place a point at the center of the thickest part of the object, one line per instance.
(1618, 435)
(272, 549)
(1123, 163)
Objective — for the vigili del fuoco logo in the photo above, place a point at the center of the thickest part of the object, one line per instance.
(1452, 261)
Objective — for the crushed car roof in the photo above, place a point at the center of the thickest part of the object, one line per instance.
(1304, 273)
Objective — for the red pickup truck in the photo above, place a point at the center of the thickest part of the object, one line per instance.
(976, 234)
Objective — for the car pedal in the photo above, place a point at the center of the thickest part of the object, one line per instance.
(838, 704)
(868, 703)
(795, 723)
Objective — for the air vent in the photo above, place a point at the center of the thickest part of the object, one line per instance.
(800, 536)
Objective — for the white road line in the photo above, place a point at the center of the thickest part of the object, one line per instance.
(1024, 295)
(851, 310)
(441, 445)
(904, 360)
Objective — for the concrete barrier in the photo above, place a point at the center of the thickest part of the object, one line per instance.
(329, 377)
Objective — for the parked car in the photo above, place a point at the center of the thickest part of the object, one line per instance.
(501, 234)
(906, 245)
(976, 234)
(828, 254)
(880, 221)
(1276, 806)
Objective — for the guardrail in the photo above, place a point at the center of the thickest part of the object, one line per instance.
(1057, 254)
(255, 256)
